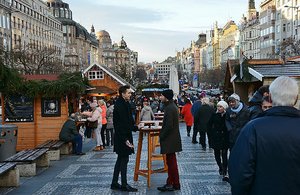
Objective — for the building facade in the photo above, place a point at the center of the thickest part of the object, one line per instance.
(250, 33)
(267, 18)
(33, 24)
(5, 24)
(81, 47)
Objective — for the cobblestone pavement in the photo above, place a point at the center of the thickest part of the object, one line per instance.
(92, 173)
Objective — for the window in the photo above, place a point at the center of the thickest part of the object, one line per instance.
(92, 75)
(283, 28)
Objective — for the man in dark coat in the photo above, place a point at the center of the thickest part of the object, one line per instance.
(170, 140)
(201, 121)
(195, 108)
(123, 125)
(236, 117)
(266, 156)
(69, 133)
(255, 102)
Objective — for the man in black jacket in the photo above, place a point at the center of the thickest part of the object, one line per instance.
(69, 133)
(265, 158)
(123, 143)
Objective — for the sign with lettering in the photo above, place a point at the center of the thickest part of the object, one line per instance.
(50, 107)
(18, 109)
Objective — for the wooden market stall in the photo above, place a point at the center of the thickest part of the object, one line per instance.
(38, 118)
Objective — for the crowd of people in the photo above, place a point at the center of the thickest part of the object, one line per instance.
(255, 144)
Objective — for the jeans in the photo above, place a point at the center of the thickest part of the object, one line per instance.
(77, 144)
(98, 135)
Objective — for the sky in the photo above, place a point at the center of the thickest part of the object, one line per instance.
(156, 29)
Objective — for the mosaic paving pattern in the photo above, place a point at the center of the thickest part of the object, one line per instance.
(92, 173)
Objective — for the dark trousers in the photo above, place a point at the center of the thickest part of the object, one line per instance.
(221, 159)
(195, 132)
(203, 138)
(121, 166)
(109, 133)
(188, 129)
(173, 175)
(88, 132)
(103, 128)
(77, 144)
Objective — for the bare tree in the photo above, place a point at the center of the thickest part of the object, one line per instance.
(290, 47)
(31, 59)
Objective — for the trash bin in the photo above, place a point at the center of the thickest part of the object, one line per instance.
(8, 141)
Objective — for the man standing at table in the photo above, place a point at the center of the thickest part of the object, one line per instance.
(123, 142)
(170, 140)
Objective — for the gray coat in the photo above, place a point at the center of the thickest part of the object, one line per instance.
(170, 140)
(109, 117)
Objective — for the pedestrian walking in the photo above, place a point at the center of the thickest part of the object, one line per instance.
(220, 137)
(123, 142)
(187, 115)
(201, 121)
(110, 125)
(266, 156)
(195, 108)
(236, 117)
(103, 107)
(146, 113)
(170, 140)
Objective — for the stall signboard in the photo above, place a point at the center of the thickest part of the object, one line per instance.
(18, 109)
(50, 107)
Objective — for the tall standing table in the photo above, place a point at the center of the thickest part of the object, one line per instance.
(151, 132)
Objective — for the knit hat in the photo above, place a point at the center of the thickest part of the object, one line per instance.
(223, 104)
(93, 105)
(168, 93)
(234, 96)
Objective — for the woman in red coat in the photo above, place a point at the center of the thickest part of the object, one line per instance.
(187, 114)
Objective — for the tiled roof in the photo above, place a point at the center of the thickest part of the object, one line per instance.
(292, 70)
(48, 77)
(112, 74)
(264, 61)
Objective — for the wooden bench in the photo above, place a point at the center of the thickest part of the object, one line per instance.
(9, 175)
(56, 147)
(28, 160)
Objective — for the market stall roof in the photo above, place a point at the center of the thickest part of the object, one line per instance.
(48, 77)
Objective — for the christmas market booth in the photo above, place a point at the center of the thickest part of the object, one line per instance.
(38, 104)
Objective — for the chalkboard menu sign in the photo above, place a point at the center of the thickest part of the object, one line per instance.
(18, 109)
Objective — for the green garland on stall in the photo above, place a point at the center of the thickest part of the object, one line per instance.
(67, 83)
(246, 75)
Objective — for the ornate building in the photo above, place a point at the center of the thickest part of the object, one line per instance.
(267, 18)
(81, 47)
(33, 24)
(250, 32)
(5, 28)
(117, 57)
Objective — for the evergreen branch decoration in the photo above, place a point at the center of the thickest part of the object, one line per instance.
(246, 75)
(67, 84)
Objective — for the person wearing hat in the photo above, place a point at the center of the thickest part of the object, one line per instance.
(220, 137)
(237, 115)
(170, 140)
(266, 156)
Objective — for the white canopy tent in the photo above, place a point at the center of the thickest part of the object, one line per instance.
(173, 81)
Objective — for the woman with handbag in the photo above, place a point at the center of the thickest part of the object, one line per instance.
(95, 121)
